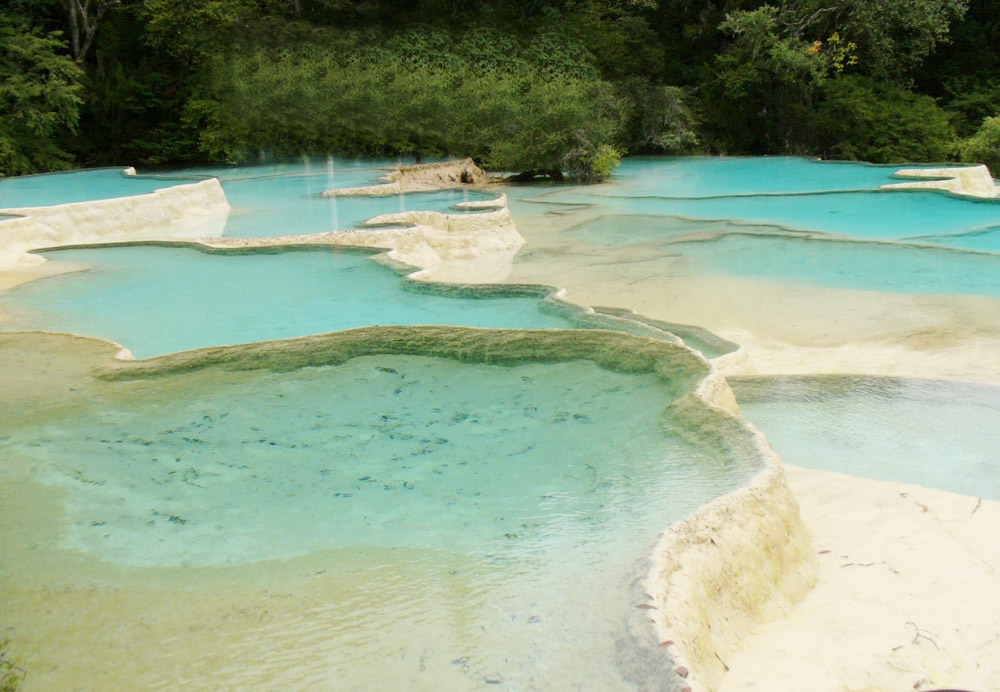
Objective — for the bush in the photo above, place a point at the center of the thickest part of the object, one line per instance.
(514, 115)
(984, 146)
(588, 163)
(866, 120)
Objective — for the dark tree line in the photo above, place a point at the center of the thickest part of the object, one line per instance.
(551, 86)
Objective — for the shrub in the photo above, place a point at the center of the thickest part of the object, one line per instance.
(863, 119)
(984, 146)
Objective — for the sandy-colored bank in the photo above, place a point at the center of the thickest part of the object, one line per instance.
(907, 597)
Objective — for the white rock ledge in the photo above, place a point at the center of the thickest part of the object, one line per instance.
(971, 181)
(180, 211)
(741, 560)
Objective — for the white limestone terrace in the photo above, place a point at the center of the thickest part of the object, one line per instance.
(180, 211)
(198, 211)
(971, 181)
(738, 561)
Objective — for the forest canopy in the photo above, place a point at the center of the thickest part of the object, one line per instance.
(547, 87)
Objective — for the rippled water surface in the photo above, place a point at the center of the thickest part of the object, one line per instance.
(516, 508)
(923, 432)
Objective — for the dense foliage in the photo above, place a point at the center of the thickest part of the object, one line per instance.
(549, 87)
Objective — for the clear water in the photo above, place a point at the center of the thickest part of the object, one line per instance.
(516, 508)
(480, 524)
(283, 198)
(291, 205)
(616, 230)
(841, 198)
(75, 186)
(267, 200)
(860, 266)
(931, 433)
(343, 172)
(711, 176)
(865, 215)
(157, 300)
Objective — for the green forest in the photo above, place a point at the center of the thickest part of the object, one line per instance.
(541, 87)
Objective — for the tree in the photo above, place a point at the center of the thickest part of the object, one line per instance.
(39, 98)
(892, 36)
(83, 16)
(766, 85)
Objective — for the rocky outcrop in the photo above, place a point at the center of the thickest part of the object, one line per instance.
(420, 177)
(972, 181)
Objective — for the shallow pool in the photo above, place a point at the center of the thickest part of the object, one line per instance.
(852, 265)
(936, 434)
(713, 176)
(404, 522)
(74, 186)
(291, 205)
(160, 299)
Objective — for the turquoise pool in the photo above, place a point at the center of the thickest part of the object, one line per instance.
(464, 536)
(468, 524)
(156, 300)
(267, 200)
(723, 176)
(937, 434)
(74, 186)
(839, 198)
(291, 205)
(283, 199)
(851, 265)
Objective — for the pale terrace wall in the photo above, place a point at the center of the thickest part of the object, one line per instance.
(428, 176)
(972, 181)
(739, 561)
(462, 248)
(180, 211)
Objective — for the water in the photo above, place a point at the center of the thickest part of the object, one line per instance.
(840, 198)
(768, 219)
(291, 205)
(866, 215)
(268, 200)
(416, 523)
(469, 525)
(75, 186)
(935, 434)
(711, 176)
(859, 266)
(157, 300)
(341, 172)
(284, 198)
